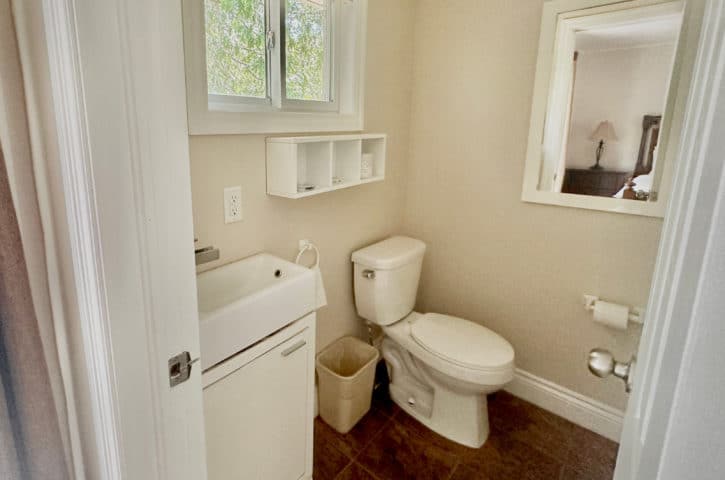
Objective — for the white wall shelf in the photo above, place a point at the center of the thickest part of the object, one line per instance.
(324, 163)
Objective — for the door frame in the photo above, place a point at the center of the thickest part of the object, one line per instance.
(116, 110)
(681, 261)
(150, 114)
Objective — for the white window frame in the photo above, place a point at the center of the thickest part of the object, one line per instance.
(220, 114)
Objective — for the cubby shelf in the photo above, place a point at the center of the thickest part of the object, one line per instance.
(324, 163)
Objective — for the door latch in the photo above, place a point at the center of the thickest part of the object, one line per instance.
(180, 368)
(270, 39)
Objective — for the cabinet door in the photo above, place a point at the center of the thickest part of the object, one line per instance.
(257, 418)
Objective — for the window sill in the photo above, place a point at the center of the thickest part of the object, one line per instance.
(229, 123)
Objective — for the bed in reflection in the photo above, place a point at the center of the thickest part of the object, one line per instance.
(633, 184)
(639, 185)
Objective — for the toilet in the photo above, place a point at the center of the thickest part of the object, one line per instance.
(441, 367)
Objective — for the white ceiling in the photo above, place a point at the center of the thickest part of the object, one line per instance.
(662, 30)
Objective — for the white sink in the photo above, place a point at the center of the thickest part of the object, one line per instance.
(243, 302)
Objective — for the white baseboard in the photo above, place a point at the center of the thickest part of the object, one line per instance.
(576, 408)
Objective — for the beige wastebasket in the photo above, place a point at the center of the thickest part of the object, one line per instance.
(345, 372)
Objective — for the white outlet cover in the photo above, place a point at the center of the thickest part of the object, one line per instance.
(232, 204)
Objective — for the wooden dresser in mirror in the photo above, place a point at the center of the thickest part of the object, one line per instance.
(600, 183)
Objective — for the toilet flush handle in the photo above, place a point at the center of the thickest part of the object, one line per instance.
(369, 274)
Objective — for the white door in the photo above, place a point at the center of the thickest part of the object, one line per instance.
(680, 267)
(115, 70)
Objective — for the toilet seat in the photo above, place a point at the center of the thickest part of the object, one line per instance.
(462, 342)
(400, 333)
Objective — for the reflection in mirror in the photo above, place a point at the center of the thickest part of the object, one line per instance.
(607, 97)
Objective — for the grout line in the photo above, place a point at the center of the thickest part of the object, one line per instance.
(339, 474)
(455, 467)
(374, 475)
(356, 455)
(355, 458)
(458, 456)
(350, 460)
(372, 437)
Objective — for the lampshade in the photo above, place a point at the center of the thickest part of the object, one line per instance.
(604, 131)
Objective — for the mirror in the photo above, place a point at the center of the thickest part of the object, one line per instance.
(605, 85)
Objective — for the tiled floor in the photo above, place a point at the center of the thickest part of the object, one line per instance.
(526, 443)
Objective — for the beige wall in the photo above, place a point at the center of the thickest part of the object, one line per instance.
(454, 174)
(517, 268)
(338, 222)
(621, 86)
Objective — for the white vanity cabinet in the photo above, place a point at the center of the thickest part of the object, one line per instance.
(258, 408)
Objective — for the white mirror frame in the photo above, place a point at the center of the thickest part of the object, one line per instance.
(555, 13)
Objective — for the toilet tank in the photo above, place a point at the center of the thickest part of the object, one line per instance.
(386, 276)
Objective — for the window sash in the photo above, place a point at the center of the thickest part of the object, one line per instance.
(276, 69)
(222, 99)
(330, 60)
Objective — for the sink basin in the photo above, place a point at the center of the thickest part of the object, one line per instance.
(245, 301)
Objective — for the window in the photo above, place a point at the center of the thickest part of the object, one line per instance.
(236, 52)
(263, 66)
(307, 50)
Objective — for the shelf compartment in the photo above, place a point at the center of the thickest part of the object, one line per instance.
(346, 161)
(290, 165)
(376, 147)
(314, 164)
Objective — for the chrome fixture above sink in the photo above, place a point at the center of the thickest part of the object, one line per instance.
(206, 254)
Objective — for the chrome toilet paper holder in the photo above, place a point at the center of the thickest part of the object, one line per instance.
(636, 314)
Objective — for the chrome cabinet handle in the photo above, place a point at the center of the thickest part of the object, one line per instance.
(289, 351)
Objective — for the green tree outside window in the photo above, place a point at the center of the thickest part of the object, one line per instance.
(236, 51)
(306, 49)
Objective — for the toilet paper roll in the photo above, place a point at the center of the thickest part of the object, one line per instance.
(611, 314)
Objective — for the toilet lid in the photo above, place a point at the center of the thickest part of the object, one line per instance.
(462, 341)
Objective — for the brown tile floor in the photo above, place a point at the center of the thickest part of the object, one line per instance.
(526, 443)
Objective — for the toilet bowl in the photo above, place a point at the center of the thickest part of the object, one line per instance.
(441, 367)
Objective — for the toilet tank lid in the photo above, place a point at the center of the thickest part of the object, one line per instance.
(389, 254)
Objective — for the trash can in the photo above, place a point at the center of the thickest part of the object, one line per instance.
(345, 372)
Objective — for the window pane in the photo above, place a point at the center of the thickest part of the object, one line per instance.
(236, 55)
(307, 45)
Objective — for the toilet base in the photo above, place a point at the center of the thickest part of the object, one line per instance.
(453, 418)
(458, 415)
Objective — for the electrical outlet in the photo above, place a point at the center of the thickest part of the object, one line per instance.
(232, 204)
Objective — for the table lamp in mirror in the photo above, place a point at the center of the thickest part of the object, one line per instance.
(602, 134)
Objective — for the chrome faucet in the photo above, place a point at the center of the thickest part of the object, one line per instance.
(205, 254)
